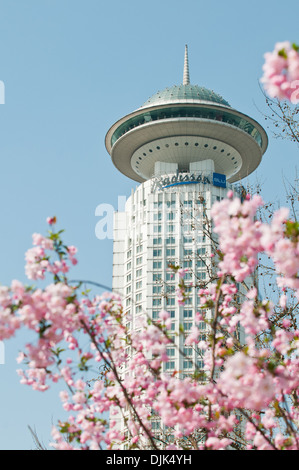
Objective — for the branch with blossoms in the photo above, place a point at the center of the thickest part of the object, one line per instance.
(280, 83)
(242, 383)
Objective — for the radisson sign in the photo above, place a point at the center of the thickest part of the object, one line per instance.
(188, 178)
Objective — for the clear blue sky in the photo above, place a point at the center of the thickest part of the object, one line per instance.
(72, 68)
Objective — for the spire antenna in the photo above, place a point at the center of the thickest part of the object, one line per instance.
(186, 78)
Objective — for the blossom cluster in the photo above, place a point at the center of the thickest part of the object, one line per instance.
(243, 385)
(281, 72)
(243, 237)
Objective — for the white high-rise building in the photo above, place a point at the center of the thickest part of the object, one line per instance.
(185, 146)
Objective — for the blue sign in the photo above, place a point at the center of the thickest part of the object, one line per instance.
(219, 180)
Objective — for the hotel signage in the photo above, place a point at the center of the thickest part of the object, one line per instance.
(219, 180)
(188, 178)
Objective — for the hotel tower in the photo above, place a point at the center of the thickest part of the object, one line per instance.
(185, 146)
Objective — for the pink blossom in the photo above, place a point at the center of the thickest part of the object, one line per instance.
(51, 220)
(216, 443)
(281, 71)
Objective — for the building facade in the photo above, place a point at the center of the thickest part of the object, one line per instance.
(159, 230)
(186, 146)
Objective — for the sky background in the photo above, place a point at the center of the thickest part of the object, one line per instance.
(71, 69)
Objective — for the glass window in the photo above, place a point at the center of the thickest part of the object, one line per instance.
(187, 364)
(170, 228)
(188, 351)
(170, 352)
(170, 203)
(198, 112)
(187, 229)
(170, 252)
(188, 252)
(200, 263)
(188, 313)
(187, 326)
(170, 288)
(157, 264)
(157, 289)
(202, 325)
(188, 276)
(188, 203)
(170, 276)
(201, 275)
(169, 365)
(187, 263)
(156, 425)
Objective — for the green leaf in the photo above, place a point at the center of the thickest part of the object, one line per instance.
(282, 53)
(292, 230)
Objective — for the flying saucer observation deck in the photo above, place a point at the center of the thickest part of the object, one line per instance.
(185, 124)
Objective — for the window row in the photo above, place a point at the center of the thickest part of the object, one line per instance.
(187, 238)
(187, 364)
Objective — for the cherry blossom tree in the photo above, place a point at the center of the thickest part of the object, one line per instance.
(242, 383)
(245, 396)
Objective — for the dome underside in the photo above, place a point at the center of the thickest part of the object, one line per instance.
(185, 92)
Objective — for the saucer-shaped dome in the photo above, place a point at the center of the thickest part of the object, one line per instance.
(182, 125)
(178, 93)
